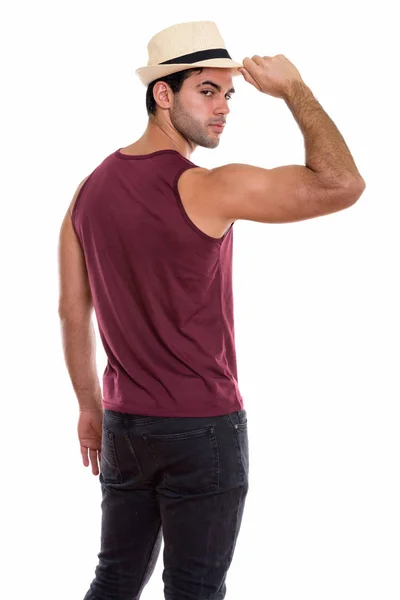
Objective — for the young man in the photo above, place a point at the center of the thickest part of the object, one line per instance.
(147, 243)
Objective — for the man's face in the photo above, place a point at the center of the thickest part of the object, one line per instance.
(202, 102)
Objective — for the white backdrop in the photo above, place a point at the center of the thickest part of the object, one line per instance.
(316, 302)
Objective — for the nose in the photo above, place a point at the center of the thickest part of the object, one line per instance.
(222, 108)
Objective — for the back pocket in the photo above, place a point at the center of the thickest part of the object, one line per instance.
(189, 460)
(109, 467)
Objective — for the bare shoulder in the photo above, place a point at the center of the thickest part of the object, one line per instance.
(280, 195)
(190, 187)
(198, 206)
(68, 239)
(75, 196)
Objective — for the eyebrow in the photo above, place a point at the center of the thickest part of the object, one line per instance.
(216, 86)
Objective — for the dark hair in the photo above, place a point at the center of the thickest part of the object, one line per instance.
(175, 82)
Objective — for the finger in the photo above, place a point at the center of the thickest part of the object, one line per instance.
(249, 78)
(84, 453)
(93, 460)
(250, 65)
(258, 60)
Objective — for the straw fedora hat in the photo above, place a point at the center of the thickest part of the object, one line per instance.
(186, 46)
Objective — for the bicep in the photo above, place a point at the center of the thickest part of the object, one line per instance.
(281, 195)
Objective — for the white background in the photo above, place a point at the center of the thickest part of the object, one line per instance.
(316, 302)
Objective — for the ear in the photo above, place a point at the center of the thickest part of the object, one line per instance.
(163, 95)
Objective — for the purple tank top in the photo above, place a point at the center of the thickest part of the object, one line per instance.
(161, 288)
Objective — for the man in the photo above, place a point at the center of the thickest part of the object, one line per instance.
(147, 244)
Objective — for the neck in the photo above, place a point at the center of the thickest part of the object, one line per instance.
(160, 135)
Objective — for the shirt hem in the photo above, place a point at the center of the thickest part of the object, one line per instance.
(128, 409)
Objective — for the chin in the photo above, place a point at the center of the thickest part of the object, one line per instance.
(206, 141)
(210, 144)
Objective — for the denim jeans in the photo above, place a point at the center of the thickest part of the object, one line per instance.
(183, 480)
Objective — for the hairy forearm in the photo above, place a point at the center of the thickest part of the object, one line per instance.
(326, 151)
(79, 345)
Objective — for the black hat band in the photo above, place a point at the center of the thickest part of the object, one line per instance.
(198, 56)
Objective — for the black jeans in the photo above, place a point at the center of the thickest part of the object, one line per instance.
(183, 480)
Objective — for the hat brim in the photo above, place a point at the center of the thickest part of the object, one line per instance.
(149, 74)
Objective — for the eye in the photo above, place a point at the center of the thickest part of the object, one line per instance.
(211, 92)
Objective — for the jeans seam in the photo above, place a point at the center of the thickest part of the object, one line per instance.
(128, 439)
(113, 453)
(149, 562)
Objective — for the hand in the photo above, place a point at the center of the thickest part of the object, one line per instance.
(271, 75)
(90, 427)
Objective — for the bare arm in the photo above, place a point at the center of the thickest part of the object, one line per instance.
(327, 153)
(79, 345)
(327, 183)
(75, 311)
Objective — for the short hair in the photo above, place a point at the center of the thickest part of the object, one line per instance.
(175, 81)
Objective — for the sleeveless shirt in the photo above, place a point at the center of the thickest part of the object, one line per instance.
(161, 290)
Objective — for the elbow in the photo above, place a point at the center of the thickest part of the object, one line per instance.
(356, 186)
(349, 192)
(68, 314)
(356, 190)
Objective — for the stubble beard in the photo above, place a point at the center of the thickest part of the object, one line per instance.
(190, 128)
